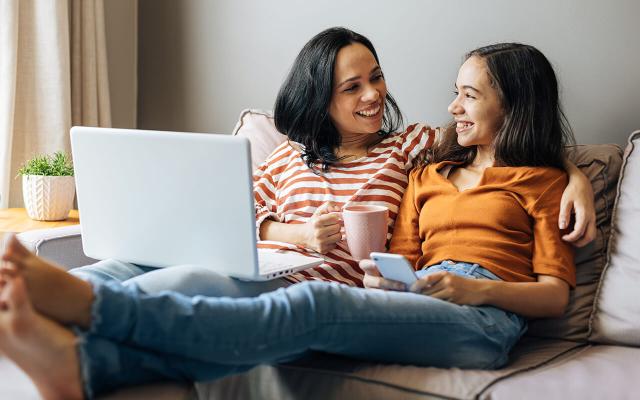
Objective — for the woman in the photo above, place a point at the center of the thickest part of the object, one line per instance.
(459, 314)
(339, 117)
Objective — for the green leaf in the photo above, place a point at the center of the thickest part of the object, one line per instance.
(58, 164)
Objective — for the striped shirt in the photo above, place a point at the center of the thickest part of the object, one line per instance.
(287, 190)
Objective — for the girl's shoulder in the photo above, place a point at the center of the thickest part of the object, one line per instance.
(536, 174)
(424, 172)
(535, 182)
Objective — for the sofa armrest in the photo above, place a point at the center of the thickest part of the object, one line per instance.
(61, 245)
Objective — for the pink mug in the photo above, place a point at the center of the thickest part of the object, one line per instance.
(366, 229)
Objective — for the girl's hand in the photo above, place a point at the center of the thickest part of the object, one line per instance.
(323, 230)
(450, 287)
(373, 279)
(578, 197)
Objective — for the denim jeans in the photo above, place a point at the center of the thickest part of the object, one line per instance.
(190, 280)
(136, 337)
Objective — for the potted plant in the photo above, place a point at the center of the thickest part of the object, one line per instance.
(48, 186)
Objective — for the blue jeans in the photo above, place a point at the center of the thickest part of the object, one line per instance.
(190, 280)
(136, 337)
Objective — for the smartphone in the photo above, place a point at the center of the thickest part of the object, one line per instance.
(394, 267)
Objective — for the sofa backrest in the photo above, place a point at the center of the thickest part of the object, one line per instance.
(259, 128)
(601, 164)
(616, 311)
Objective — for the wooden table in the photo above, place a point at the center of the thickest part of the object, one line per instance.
(16, 220)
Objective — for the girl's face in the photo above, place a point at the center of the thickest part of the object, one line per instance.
(359, 92)
(477, 108)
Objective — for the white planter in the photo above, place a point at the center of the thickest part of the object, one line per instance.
(48, 198)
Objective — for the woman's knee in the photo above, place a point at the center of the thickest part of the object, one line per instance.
(186, 279)
(193, 280)
(109, 269)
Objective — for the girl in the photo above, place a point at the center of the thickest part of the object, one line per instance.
(499, 225)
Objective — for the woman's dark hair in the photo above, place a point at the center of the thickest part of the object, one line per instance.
(302, 107)
(535, 129)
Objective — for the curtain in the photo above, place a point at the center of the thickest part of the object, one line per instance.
(53, 73)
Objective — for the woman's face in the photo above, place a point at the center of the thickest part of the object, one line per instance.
(477, 108)
(359, 92)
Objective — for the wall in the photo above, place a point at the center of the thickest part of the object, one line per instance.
(203, 61)
(121, 26)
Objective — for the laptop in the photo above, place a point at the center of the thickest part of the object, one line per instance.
(172, 198)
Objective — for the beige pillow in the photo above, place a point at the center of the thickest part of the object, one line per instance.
(601, 164)
(259, 128)
(616, 314)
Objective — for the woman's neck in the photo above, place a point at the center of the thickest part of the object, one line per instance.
(356, 146)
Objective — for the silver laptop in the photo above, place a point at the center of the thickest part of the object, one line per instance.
(171, 198)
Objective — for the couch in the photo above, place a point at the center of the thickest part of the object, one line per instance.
(592, 352)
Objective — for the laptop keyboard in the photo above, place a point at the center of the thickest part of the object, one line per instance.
(271, 262)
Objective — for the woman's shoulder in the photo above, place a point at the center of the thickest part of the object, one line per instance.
(282, 154)
(416, 129)
(411, 142)
(286, 148)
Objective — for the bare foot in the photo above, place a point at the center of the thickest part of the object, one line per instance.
(52, 291)
(43, 349)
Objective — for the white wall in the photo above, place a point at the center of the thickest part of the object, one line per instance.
(202, 61)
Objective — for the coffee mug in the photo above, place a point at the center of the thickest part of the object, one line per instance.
(365, 227)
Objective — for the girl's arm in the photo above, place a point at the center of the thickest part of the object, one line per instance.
(548, 297)
(578, 197)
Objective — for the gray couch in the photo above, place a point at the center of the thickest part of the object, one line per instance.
(592, 352)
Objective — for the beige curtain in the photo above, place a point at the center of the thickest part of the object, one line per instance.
(53, 72)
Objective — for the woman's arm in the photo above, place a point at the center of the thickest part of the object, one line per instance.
(547, 297)
(321, 233)
(578, 197)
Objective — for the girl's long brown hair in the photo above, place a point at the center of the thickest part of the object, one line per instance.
(535, 130)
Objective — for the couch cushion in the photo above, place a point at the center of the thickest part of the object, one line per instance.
(601, 164)
(592, 372)
(329, 377)
(616, 317)
(259, 128)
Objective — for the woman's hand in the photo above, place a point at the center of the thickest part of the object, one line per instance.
(373, 279)
(578, 198)
(450, 287)
(323, 230)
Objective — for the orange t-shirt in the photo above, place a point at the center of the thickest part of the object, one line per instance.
(508, 223)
